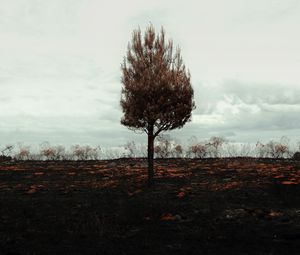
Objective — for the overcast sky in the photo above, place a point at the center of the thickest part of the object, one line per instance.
(60, 67)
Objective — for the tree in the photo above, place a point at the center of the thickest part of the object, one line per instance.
(156, 94)
(216, 143)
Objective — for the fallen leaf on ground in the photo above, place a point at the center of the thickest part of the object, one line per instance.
(181, 194)
(288, 182)
(134, 192)
(38, 173)
(31, 191)
(168, 217)
(274, 214)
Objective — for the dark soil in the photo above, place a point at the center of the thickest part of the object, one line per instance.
(211, 206)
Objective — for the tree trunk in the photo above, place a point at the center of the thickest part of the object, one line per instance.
(150, 157)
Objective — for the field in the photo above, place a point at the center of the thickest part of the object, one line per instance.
(209, 206)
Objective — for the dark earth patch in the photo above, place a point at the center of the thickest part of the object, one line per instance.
(210, 206)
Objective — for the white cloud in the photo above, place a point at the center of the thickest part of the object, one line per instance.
(60, 65)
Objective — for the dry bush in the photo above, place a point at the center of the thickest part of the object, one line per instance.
(239, 150)
(277, 150)
(197, 151)
(23, 153)
(281, 150)
(246, 150)
(85, 152)
(215, 144)
(296, 155)
(131, 149)
(7, 150)
(60, 152)
(113, 153)
(261, 150)
(274, 149)
(177, 151)
(163, 146)
(6, 153)
(48, 153)
(53, 153)
(157, 151)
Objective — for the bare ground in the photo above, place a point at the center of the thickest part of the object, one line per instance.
(211, 206)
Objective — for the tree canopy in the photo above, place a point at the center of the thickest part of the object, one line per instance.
(157, 90)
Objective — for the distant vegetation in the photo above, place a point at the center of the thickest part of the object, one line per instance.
(164, 147)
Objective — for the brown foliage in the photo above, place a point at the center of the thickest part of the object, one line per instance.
(198, 150)
(157, 90)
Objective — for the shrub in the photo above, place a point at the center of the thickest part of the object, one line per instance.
(85, 152)
(274, 149)
(7, 150)
(163, 146)
(214, 146)
(23, 153)
(261, 150)
(131, 149)
(296, 155)
(177, 151)
(197, 150)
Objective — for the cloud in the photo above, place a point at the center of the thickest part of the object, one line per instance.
(60, 66)
(242, 106)
(262, 93)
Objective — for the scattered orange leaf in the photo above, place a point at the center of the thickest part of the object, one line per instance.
(31, 191)
(181, 194)
(279, 176)
(274, 214)
(288, 182)
(38, 173)
(134, 192)
(168, 217)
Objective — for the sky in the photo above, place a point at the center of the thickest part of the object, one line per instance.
(60, 68)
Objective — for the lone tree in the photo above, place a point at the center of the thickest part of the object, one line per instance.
(156, 94)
